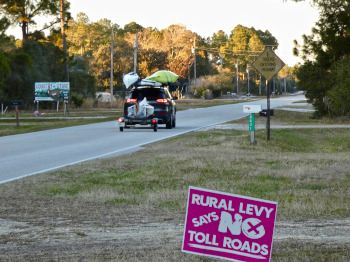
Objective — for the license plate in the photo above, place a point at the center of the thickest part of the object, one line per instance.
(120, 124)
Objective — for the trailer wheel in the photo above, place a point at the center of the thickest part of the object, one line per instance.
(155, 127)
(121, 129)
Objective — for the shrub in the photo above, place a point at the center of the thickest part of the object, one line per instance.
(338, 97)
(213, 86)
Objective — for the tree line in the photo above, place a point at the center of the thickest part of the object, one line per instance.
(325, 74)
(40, 58)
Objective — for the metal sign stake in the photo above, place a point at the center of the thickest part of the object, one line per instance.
(268, 64)
(268, 129)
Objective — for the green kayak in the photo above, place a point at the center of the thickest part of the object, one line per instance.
(163, 77)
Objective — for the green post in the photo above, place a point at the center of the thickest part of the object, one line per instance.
(251, 122)
(252, 128)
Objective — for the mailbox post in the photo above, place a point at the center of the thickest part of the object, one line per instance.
(17, 119)
(251, 110)
(252, 128)
(16, 104)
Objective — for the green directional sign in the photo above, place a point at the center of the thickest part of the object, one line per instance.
(251, 122)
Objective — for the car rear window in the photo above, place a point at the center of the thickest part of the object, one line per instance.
(149, 93)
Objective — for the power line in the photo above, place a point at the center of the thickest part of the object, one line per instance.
(231, 52)
(216, 50)
(227, 42)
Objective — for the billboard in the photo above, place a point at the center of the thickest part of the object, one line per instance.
(52, 91)
(228, 226)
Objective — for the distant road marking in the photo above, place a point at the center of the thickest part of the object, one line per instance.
(68, 137)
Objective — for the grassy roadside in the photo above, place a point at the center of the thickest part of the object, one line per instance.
(8, 127)
(294, 118)
(197, 103)
(52, 119)
(305, 170)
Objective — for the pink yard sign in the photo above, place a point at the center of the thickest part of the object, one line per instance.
(228, 226)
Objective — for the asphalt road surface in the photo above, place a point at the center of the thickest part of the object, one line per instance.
(33, 153)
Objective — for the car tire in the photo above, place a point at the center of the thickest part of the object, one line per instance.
(174, 122)
(169, 124)
(121, 129)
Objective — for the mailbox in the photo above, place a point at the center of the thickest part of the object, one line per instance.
(264, 112)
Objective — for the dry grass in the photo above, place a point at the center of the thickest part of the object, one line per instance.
(309, 179)
(295, 118)
(185, 104)
(306, 171)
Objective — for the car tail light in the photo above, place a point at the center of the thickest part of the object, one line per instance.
(154, 121)
(131, 100)
(120, 119)
(162, 100)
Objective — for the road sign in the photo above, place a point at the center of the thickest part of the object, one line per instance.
(228, 226)
(268, 64)
(251, 122)
(16, 103)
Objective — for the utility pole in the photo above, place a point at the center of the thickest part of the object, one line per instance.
(135, 51)
(195, 62)
(63, 33)
(260, 85)
(248, 79)
(237, 74)
(112, 49)
(221, 62)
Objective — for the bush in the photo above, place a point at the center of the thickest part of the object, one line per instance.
(338, 97)
(199, 92)
(77, 99)
(213, 86)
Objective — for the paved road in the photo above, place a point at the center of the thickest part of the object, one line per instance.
(34, 153)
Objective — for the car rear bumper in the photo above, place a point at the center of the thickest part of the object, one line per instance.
(162, 119)
(161, 111)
